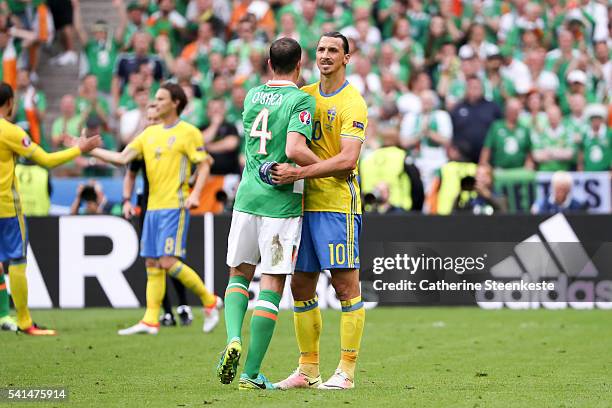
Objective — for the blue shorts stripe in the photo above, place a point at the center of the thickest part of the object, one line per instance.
(351, 308)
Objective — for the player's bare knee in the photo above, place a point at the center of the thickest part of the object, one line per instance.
(245, 270)
(346, 285)
(167, 262)
(275, 283)
(304, 286)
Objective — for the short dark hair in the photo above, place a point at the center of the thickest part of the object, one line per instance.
(176, 94)
(285, 53)
(6, 93)
(337, 34)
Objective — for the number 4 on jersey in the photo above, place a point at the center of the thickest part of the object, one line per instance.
(262, 134)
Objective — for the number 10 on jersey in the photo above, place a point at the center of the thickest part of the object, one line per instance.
(262, 134)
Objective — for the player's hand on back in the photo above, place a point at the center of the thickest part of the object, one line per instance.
(284, 173)
(87, 144)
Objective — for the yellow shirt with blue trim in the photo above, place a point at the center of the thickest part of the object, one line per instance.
(168, 153)
(14, 142)
(342, 114)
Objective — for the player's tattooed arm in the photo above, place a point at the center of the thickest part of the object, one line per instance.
(118, 158)
(341, 165)
(298, 151)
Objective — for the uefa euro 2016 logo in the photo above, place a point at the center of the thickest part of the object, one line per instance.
(331, 114)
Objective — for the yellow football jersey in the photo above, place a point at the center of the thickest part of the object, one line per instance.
(168, 152)
(342, 114)
(14, 142)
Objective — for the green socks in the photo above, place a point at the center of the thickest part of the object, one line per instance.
(4, 297)
(262, 328)
(236, 302)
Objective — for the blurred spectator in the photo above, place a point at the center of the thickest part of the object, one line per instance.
(30, 108)
(387, 165)
(364, 80)
(245, 45)
(168, 22)
(200, 12)
(131, 62)
(221, 140)
(10, 55)
(576, 84)
(63, 22)
(134, 121)
(560, 200)
(596, 146)
(497, 87)
(198, 52)
(377, 201)
(260, 10)
(554, 148)
(472, 118)
(184, 75)
(575, 122)
(135, 12)
(418, 82)
(366, 36)
(410, 52)
(533, 117)
(507, 145)
(34, 188)
(453, 84)
(90, 101)
(544, 81)
(194, 111)
(91, 166)
(102, 49)
(477, 196)
(428, 133)
(67, 126)
(90, 200)
(447, 183)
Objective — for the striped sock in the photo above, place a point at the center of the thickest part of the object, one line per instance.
(156, 288)
(307, 322)
(262, 328)
(4, 298)
(19, 292)
(193, 282)
(351, 330)
(236, 302)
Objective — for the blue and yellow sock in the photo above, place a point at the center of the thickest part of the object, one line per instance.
(262, 328)
(236, 303)
(351, 331)
(156, 288)
(308, 323)
(193, 282)
(19, 292)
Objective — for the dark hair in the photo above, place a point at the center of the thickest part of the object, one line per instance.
(285, 53)
(336, 34)
(176, 94)
(6, 93)
(89, 194)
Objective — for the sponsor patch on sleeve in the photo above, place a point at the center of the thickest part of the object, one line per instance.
(305, 117)
(200, 148)
(26, 142)
(358, 125)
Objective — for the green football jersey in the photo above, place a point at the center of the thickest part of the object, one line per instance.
(270, 112)
(509, 147)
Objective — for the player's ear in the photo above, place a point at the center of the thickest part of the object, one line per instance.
(347, 58)
(270, 65)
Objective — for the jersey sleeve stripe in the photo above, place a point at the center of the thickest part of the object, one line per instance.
(351, 137)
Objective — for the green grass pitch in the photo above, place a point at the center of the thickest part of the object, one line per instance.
(411, 357)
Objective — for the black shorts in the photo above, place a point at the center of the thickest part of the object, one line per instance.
(62, 12)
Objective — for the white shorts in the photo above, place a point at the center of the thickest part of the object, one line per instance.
(269, 243)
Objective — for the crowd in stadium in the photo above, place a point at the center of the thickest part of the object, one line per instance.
(454, 88)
